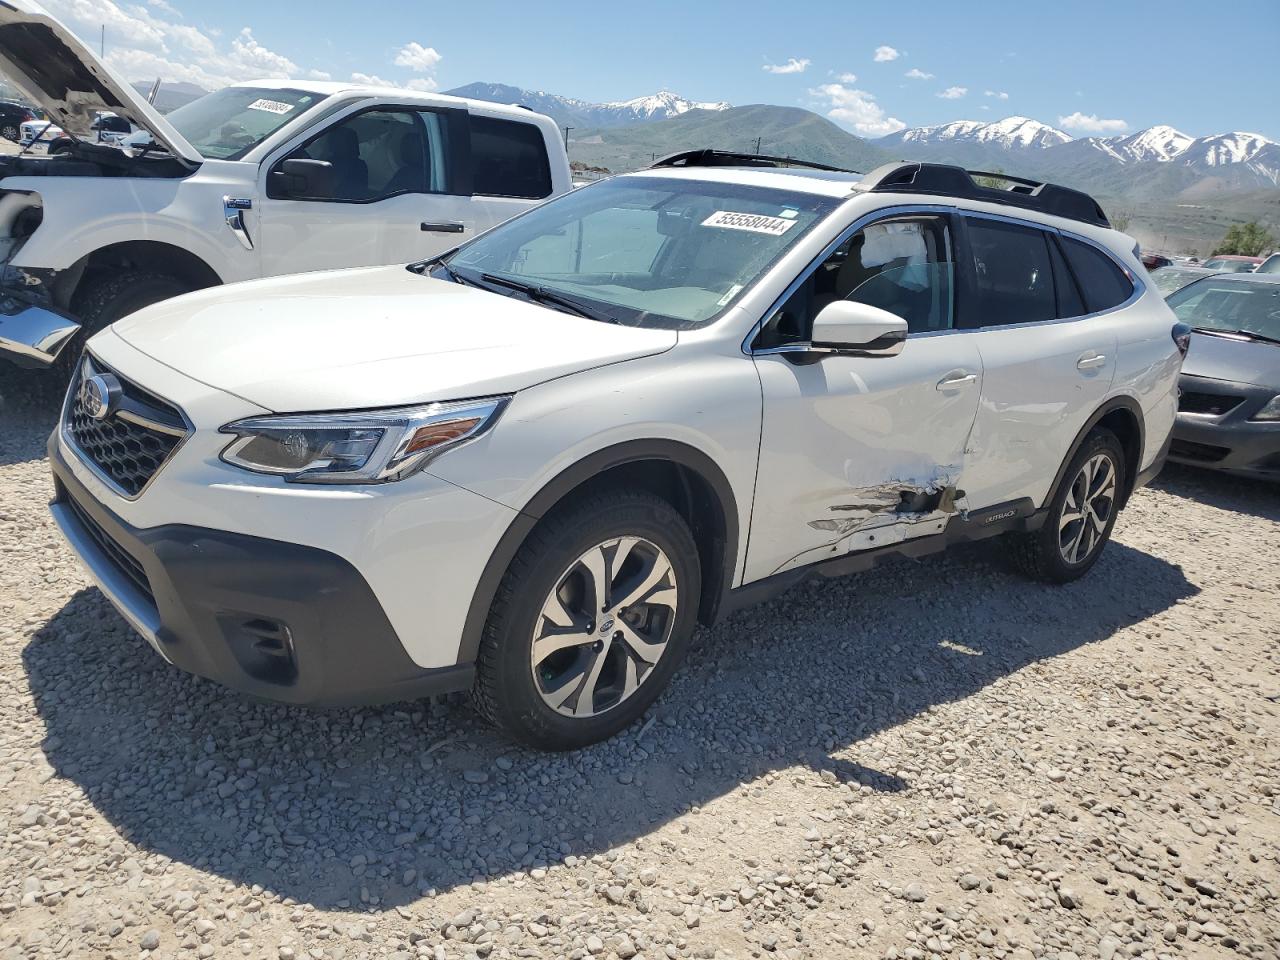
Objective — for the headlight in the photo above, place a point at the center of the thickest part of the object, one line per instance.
(1270, 412)
(372, 447)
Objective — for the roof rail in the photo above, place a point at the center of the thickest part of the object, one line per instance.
(945, 180)
(729, 158)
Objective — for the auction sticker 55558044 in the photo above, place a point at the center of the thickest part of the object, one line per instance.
(752, 222)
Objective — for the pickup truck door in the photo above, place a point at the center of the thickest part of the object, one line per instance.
(397, 189)
(860, 452)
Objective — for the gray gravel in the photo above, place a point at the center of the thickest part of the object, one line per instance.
(936, 759)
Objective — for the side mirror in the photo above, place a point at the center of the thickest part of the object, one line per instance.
(303, 178)
(858, 329)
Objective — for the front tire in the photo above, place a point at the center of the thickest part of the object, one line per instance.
(1080, 516)
(104, 299)
(589, 623)
(10, 132)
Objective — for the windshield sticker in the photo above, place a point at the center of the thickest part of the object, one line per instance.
(271, 106)
(729, 295)
(751, 222)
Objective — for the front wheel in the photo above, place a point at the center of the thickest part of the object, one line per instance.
(590, 621)
(10, 132)
(1080, 516)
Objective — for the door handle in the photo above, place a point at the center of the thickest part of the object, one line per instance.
(443, 227)
(957, 379)
(1091, 361)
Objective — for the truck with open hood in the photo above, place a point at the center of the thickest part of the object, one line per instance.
(257, 179)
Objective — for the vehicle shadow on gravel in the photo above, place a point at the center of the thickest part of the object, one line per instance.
(382, 804)
(25, 423)
(1258, 498)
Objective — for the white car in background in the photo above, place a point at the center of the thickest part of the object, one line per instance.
(35, 136)
(528, 467)
(255, 180)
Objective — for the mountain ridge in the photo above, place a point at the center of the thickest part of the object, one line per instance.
(572, 112)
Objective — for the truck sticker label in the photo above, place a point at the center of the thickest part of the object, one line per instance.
(751, 222)
(271, 106)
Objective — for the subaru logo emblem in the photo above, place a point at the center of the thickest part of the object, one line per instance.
(99, 395)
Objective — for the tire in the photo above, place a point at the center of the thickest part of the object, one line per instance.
(1065, 549)
(106, 298)
(558, 698)
(10, 132)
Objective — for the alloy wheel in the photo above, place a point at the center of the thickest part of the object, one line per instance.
(604, 626)
(1090, 502)
(9, 132)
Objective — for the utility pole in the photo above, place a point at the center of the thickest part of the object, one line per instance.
(566, 138)
(758, 139)
(102, 42)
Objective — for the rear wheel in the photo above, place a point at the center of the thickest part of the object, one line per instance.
(591, 620)
(1080, 516)
(10, 132)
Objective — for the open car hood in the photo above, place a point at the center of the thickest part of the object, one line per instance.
(62, 75)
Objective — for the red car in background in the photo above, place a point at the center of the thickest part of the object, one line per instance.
(1230, 263)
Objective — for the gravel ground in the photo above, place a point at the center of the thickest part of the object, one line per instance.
(935, 759)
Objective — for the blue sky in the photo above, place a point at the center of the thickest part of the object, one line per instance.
(1086, 66)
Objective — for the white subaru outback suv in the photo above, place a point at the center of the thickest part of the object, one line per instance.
(255, 180)
(528, 467)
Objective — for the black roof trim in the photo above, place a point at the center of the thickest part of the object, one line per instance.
(728, 158)
(949, 181)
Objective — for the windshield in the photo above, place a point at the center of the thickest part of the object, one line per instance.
(1270, 265)
(1228, 266)
(229, 123)
(1212, 304)
(1169, 279)
(646, 251)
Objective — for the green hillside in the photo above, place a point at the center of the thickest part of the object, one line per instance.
(783, 131)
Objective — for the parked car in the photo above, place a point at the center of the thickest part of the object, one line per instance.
(12, 116)
(1269, 265)
(1231, 264)
(38, 136)
(528, 466)
(1169, 279)
(257, 179)
(1153, 261)
(1229, 410)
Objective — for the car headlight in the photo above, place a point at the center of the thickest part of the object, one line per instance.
(373, 447)
(1270, 412)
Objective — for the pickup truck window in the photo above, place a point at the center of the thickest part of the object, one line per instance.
(229, 123)
(510, 159)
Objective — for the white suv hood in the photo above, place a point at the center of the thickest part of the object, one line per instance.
(372, 337)
(63, 76)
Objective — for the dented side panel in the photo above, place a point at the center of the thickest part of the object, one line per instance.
(860, 452)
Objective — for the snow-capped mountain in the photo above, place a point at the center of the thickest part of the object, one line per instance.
(1011, 133)
(1161, 144)
(582, 114)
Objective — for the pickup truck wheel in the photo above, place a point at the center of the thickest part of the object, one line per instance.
(105, 299)
(590, 621)
(1080, 516)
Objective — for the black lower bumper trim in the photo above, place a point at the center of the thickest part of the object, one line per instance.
(274, 620)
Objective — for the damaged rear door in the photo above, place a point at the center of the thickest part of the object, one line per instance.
(859, 452)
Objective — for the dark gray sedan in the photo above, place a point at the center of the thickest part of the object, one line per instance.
(1229, 411)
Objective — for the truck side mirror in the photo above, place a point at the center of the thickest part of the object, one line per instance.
(302, 178)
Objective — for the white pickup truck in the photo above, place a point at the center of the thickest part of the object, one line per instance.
(258, 179)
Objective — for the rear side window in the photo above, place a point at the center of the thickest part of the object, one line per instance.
(1012, 275)
(1102, 283)
(1070, 303)
(509, 159)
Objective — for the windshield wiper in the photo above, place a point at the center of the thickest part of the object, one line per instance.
(549, 297)
(1246, 334)
(421, 269)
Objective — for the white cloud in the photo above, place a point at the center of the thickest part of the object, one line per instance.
(915, 74)
(417, 57)
(423, 84)
(857, 109)
(319, 75)
(1091, 123)
(998, 94)
(792, 65)
(885, 54)
(953, 93)
(145, 42)
(847, 78)
(370, 79)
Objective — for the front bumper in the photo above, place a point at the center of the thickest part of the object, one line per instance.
(272, 619)
(32, 335)
(1231, 442)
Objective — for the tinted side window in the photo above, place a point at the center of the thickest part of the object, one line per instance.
(1102, 283)
(382, 153)
(1013, 275)
(903, 266)
(509, 159)
(1070, 303)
